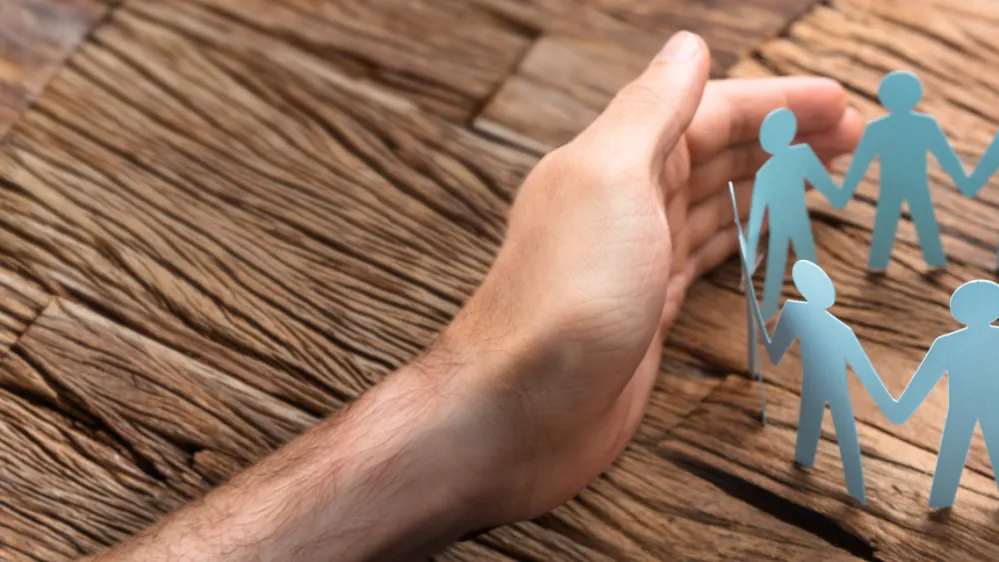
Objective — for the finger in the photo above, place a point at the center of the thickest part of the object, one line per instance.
(841, 138)
(647, 117)
(715, 214)
(715, 251)
(744, 160)
(732, 111)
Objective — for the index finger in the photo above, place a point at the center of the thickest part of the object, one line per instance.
(732, 110)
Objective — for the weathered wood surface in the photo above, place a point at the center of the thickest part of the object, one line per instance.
(290, 199)
(584, 56)
(36, 36)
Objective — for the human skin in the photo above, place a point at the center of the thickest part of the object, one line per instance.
(542, 378)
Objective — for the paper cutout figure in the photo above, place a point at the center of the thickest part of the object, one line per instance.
(779, 190)
(969, 357)
(827, 347)
(752, 346)
(902, 139)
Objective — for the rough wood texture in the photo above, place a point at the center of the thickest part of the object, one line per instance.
(35, 38)
(731, 27)
(448, 55)
(290, 199)
(584, 56)
(292, 231)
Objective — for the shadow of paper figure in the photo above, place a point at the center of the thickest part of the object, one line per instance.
(902, 139)
(827, 346)
(969, 356)
(779, 191)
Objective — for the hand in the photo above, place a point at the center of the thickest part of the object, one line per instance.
(543, 376)
(751, 259)
(605, 237)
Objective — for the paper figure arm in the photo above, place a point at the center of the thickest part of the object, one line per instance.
(778, 344)
(986, 168)
(929, 373)
(862, 158)
(944, 152)
(783, 337)
(861, 364)
(818, 176)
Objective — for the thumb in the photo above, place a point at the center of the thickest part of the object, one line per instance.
(651, 113)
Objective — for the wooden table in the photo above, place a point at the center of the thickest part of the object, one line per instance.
(221, 220)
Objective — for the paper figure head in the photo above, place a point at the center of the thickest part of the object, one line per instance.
(976, 303)
(813, 283)
(778, 130)
(900, 91)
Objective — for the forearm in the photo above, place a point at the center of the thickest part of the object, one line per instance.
(379, 481)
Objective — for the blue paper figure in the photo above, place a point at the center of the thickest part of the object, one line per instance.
(902, 139)
(969, 357)
(827, 347)
(752, 333)
(779, 190)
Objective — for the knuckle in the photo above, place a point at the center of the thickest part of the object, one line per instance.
(638, 96)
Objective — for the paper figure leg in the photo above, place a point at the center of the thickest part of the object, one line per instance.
(755, 366)
(990, 431)
(927, 228)
(813, 409)
(804, 243)
(776, 262)
(849, 446)
(953, 454)
(885, 226)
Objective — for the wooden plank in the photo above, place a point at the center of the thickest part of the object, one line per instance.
(646, 508)
(566, 79)
(360, 252)
(110, 430)
(447, 55)
(21, 301)
(588, 53)
(725, 441)
(36, 36)
(731, 27)
(67, 488)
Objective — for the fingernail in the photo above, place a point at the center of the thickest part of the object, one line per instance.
(682, 47)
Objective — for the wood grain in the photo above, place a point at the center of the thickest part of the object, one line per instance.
(566, 78)
(139, 427)
(586, 54)
(36, 36)
(447, 55)
(288, 201)
(732, 28)
(242, 245)
(725, 441)
(21, 301)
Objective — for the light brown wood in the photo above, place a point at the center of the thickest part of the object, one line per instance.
(36, 36)
(448, 55)
(725, 439)
(731, 27)
(224, 220)
(583, 57)
(247, 241)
